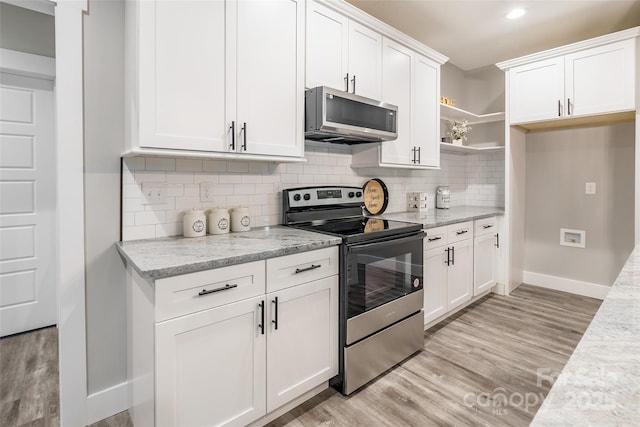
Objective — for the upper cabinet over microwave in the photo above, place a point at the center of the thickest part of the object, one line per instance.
(583, 82)
(342, 54)
(202, 79)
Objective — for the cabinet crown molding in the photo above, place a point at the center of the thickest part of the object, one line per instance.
(385, 29)
(570, 48)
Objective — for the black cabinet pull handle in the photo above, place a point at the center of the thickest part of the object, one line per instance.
(244, 135)
(462, 232)
(223, 288)
(497, 240)
(261, 325)
(559, 109)
(346, 82)
(413, 150)
(302, 270)
(453, 255)
(568, 106)
(448, 261)
(433, 239)
(419, 156)
(487, 226)
(353, 81)
(233, 135)
(275, 321)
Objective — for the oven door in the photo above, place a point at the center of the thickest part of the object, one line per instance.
(381, 272)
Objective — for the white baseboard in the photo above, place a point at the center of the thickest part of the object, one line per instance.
(577, 287)
(107, 402)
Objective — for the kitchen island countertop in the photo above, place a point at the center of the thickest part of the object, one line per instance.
(170, 256)
(439, 217)
(600, 384)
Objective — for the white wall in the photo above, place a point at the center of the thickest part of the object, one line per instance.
(558, 164)
(26, 31)
(473, 179)
(104, 132)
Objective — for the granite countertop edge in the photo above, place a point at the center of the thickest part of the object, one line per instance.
(138, 253)
(440, 217)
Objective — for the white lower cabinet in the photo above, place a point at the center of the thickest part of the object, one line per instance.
(216, 361)
(211, 367)
(456, 267)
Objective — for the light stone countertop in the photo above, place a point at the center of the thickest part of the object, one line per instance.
(600, 384)
(439, 217)
(170, 256)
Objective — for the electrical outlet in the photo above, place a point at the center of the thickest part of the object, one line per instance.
(590, 188)
(206, 192)
(155, 193)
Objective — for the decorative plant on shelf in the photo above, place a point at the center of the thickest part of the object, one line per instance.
(458, 130)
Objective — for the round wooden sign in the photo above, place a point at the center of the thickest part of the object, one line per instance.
(376, 196)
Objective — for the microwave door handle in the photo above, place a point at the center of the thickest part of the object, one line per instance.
(384, 243)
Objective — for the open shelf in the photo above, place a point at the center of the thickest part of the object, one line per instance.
(452, 113)
(468, 149)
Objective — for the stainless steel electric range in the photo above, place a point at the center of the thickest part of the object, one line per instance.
(381, 283)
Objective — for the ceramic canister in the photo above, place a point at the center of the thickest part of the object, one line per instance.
(240, 219)
(219, 221)
(194, 223)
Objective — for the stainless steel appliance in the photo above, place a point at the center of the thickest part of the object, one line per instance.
(381, 282)
(341, 117)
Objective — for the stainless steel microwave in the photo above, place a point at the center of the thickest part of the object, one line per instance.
(332, 115)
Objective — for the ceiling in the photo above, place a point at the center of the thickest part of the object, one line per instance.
(475, 33)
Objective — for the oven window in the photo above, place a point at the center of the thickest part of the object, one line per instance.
(376, 277)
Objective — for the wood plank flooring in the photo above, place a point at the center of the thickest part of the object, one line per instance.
(490, 364)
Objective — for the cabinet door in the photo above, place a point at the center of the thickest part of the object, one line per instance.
(365, 61)
(426, 93)
(484, 263)
(270, 77)
(302, 352)
(536, 91)
(435, 283)
(460, 272)
(182, 75)
(210, 367)
(601, 80)
(327, 47)
(397, 66)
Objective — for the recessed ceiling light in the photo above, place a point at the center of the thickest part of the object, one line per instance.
(516, 13)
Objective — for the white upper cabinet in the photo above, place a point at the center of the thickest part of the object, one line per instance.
(412, 83)
(601, 79)
(341, 53)
(593, 81)
(223, 77)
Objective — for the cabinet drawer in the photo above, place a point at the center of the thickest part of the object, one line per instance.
(485, 226)
(291, 270)
(458, 232)
(435, 237)
(189, 293)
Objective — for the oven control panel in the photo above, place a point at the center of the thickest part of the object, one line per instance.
(323, 196)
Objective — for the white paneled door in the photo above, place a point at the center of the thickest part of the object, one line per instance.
(27, 205)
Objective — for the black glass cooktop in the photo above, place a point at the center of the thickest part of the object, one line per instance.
(362, 228)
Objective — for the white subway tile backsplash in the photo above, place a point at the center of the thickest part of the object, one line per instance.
(473, 179)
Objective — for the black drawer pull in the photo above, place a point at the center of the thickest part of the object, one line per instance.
(261, 325)
(462, 232)
(433, 239)
(275, 321)
(302, 270)
(487, 226)
(210, 291)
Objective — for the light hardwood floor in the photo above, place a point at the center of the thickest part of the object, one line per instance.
(490, 364)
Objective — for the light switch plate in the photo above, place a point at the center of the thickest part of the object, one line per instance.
(206, 192)
(590, 188)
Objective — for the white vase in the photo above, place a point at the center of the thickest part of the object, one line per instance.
(457, 142)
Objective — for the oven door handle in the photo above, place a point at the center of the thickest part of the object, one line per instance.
(390, 241)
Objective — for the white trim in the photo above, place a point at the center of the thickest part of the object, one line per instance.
(27, 64)
(70, 204)
(107, 402)
(570, 48)
(43, 6)
(577, 287)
